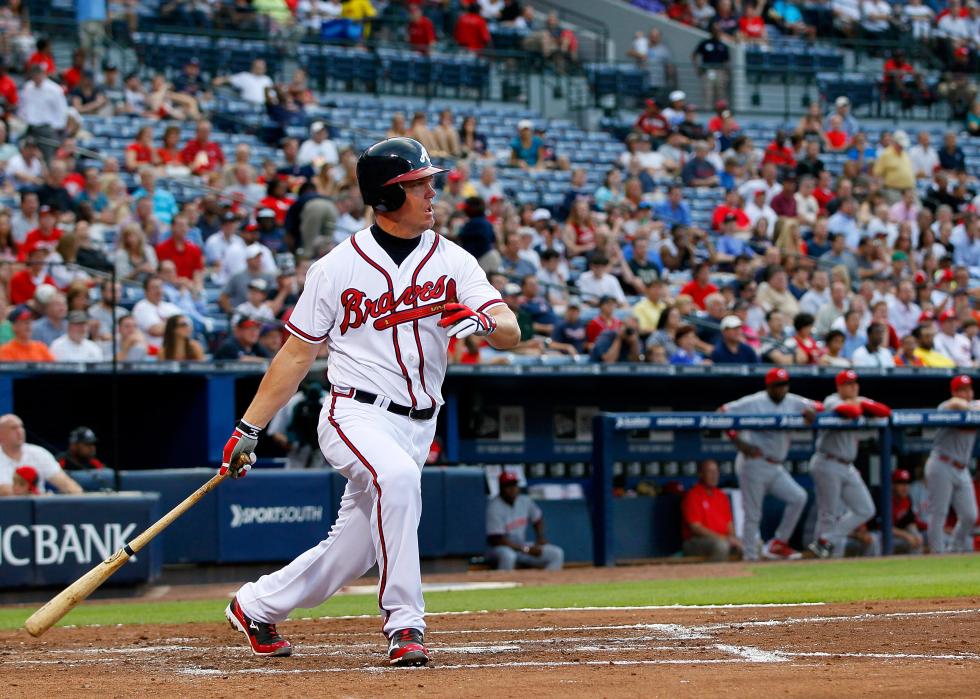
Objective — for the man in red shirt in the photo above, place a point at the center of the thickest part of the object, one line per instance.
(421, 33)
(202, 154)
(652, 122)
(24, 283)
(733, 206)
(700, 286)
(42, 57)
(73, 75)
(186, 256)
(46, 232)
(471, 30)
(708, 528)
(8, 88)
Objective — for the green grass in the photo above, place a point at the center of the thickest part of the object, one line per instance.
(836, 581)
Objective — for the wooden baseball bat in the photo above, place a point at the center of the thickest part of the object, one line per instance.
(48, 615)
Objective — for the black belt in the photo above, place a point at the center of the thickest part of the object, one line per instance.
(951, 461)
(403, 410)
(834, 457)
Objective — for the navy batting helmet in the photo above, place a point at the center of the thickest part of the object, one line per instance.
(384, 166)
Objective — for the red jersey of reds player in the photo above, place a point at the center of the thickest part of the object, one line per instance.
(386, 301)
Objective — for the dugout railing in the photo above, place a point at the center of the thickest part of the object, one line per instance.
(617, 437)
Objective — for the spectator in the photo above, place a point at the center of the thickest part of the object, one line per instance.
(784, 203)
(236, 289)
(251, 84)
(256, 304)
(185, 255)
(854, 335)
(25, 283)
(620, 345)
(81, 452)
(571, 329)
(141, 151)
(87, 97)
(318, 150)
(835, 137)
(774, 293)
(876, 22)
(698, 171)
(894, 167)
(648, 310)
(652, 122)
(152, 311)
(472, 32)
(686, 353)
(700, 285)
(243, 345)
(22, 348)
(807, 348)
(708, 527)
(579, 234)
(132, 344)
(751, 26)
(952, 343)
(732, 349)
(53, 323)
(178, 345)
(508, 516)
(926, 352)
(74, 346)
(604, 321)
(848, 124)
(834, 357)
(597, 283)
(511, 262)
(477, 236)
(711, 58)
(951, 156)
(16, 453)
(673, 210)
(651, 53)
(164, 204)
(25, 167)
(778, 347)
(874, 353)
(42, 59)
(201, 154)
(421, 32)
(527, 149)
(135, 259)
(473, 143)
(190, 82)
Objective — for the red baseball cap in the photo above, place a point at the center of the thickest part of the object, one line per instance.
(846, 376)
(454, 176)
(777, 375)
(943, 275)
(926, 316)
(29, 474)
(948, 314)
(506, 478)
(901, 476)
(920, 278)
(959, 382)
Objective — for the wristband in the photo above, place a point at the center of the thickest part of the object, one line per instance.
(248, 430)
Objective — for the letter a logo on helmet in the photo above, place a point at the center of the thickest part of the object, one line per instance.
(383, 168)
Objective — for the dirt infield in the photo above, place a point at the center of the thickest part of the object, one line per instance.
(885, 649)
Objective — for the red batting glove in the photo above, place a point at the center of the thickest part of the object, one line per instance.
(239, 452)
(463, 321)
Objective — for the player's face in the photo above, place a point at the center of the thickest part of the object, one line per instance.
(417, 211)
(964, 392)
(777, 391)
(848, 390)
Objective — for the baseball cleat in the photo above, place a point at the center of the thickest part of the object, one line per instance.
(406, 648)
(778, 550)
(821, 548)
(262, 638)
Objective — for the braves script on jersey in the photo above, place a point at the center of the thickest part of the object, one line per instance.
(356, 298)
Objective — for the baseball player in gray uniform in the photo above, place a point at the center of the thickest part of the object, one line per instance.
(843, 500)
(948, 475)
(508, 515)
(759, 465)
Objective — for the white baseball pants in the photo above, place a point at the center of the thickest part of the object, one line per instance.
(948, 485)
(381, 455)
(843, 500)
(756, 479)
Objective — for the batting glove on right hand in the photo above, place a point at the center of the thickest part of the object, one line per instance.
(239, 452)
(463, 321)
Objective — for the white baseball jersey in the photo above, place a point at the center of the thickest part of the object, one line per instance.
(356, 299)
(774, 444)
(842, 444)
(955, 442)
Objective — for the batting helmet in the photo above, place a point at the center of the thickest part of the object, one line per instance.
(384, 166)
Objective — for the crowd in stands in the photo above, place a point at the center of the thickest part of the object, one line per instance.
(869, 264)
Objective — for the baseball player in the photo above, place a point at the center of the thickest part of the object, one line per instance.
(759, 465)
(386, 301)
(843, 500)
(508, 515)
(948, 475)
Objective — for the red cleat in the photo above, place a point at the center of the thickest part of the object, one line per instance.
(262, 638)
(407, 648)
(778, 550)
